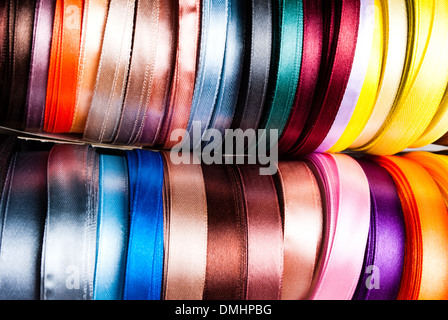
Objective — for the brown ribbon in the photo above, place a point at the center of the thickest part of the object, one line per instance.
(265, 235)
(226, 272)
(303, 223)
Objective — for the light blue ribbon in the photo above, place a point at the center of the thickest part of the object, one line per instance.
(232, 71)
(210, 66)
(113, 224)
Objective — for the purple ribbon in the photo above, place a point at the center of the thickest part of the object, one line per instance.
(40, 60)
(383, 262)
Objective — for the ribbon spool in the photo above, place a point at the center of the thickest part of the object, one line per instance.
(341, 21)
(69, 245)
(62, 85)
(368, 36)
(144, 265)
(301, 205)
(341, 258)
(40, 58)
(22, 226)
(112, 228)
(185, 231)
(383, 262)
(422, 90)
(426, 224)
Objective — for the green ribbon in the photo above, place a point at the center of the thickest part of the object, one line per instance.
(286, 64)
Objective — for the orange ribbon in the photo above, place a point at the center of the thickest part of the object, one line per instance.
(63, 69)
(425, 271)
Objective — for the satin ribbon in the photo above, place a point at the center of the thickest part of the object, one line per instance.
(185, 231)
(302, 211)
(422, 89)
(144, 268)
(185, 68)
(436, 165)
(163, 72)
(264, 226)
(16, 65)
(39, 64)
(93, 26)
(426, 224)
(68, 258)
(113, 71)
(210, 65)
(285, 69)
(226, 102)
(365, 100)
(112, 228)
(226, 271)
(313, 37)
(395, 19)
(341, 21)
(62, 85)
(23, 227)
(438, 126)
(383, 263)
(370, 11)
(341, 258)
(144, 76)
(256, 68)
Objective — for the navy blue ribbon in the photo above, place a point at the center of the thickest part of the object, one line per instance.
(144, 269)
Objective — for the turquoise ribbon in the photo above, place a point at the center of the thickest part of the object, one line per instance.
(113, 224)
(144, 267)
(286, 64)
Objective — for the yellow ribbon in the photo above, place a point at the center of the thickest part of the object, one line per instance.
(395, 20)
(424, 79)
(438, 126)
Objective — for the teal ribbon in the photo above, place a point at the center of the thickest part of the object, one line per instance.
(112, 228)
(286, 65)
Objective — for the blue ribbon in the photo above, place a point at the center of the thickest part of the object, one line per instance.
(112, 229)
(144, 267)
(211, 60)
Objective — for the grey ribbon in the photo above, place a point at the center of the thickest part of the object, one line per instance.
(23, 216)
(68, 260)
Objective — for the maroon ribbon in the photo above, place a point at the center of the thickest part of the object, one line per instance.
(341, 20)
(311, 59)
